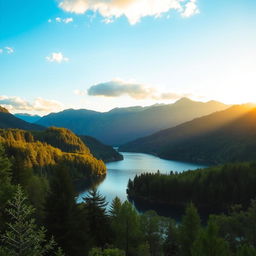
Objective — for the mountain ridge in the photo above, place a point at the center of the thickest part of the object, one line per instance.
(119, 126)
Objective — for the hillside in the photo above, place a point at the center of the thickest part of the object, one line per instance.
(27, 117)
(8, 120)
(121, 125)
(41, 152)
(101, 151)
(225, 136)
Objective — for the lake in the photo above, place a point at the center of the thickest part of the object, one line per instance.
(120, 172)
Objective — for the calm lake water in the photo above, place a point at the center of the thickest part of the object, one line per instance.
(120, 172)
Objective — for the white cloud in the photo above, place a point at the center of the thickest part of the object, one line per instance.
(61, 20)
(1, 51)
(118, 88)
(56, 57)
(190, 9)
(134, 10)
(14, 103)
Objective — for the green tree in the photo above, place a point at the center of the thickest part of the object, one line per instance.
(189, 229)
(63, 217)
(23, 238)
(246, 250)
(6, 188)
(127, 229)
(154, 229)
(98, 221)
(171, 245)
(209, 243)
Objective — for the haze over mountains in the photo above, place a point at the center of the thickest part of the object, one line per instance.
(224, 136)
(27, 117)
(7, 120)
(122, 125)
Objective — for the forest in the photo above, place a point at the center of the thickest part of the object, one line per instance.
(63, 227)
(213, 189)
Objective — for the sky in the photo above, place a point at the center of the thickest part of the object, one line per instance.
(102, 54)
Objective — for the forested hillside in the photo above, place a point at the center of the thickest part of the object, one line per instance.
(43, 150)
(121, 125)
(225, 136)
(101, 151)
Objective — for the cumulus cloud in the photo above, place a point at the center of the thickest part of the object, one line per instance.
(14, 103)
(190, 9)
(61, 20)
(118, 88)
(56, 57)
(134, 10)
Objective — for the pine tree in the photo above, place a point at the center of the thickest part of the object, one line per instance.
(23, 238)
(6, 188)
(63, 218)
(189, 229)
(209, 243)
(95, 212)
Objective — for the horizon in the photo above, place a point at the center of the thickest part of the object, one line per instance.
(67, 54)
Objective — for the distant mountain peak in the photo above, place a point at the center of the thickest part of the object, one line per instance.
(3, 110)
(183, 100)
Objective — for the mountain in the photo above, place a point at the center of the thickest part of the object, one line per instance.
(101, 151)
(7, 120)
(121, 125)
(224, 136)
(27, 117)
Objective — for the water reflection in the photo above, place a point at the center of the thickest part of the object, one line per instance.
(120, 172)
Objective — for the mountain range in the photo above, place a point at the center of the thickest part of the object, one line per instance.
(224, 136)
(99, 150)
(7, 120)
(122, 125)
(28, 117)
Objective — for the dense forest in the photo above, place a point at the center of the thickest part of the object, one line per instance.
(39, 152)
(64, 227)
(212, 189)
(225, 136)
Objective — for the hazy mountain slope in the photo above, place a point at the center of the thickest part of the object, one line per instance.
(101, 151)
(228, 135)
(8, 120)
(119, 126)
(27, 117)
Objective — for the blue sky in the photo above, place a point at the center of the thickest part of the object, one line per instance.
(104, 54)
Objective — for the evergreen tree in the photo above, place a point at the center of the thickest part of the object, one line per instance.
(189, 229)
(95, 213)
(63, 218)
(22, 237)
(246, 250)
(209, 243)
(154, 229)
(128, 232)
(171, 245)
(6, 188)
